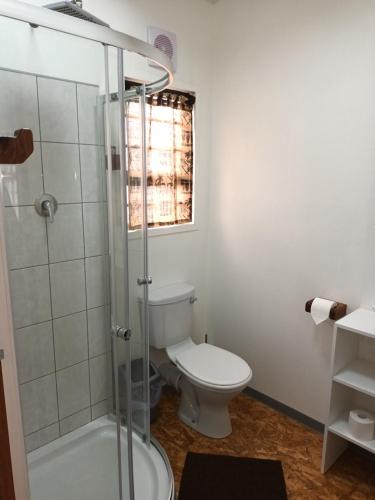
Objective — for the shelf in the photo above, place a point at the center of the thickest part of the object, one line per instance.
(359, 375)
(341, 428)
(360, 321)
(353, 383)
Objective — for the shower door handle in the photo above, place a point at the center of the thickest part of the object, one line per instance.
(122, 333)
(144, 281)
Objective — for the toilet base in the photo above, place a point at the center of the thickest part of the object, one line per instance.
(212, 431)
(205, 410)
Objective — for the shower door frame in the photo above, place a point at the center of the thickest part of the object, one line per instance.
(39, 16)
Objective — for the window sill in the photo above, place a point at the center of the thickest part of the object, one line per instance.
(164, 231)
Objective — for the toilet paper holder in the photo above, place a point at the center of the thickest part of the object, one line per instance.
(338, 309)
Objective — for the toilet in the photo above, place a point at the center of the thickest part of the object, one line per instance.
(207, 376)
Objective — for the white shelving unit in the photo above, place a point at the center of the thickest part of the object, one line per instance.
(352, 383)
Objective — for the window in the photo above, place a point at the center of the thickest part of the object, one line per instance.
(169, 132)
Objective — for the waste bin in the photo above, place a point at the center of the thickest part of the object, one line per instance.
(138, 396)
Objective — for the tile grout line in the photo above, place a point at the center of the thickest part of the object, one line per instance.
(52, 263)
(68, 416)
(59, 317)
(58, 425)
(85, 360)
(49, 267)
(84, 250)
(93, 144)
(61, 204)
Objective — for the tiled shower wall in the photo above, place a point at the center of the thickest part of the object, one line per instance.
(57, 270)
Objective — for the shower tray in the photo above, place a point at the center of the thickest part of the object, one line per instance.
(81, 465)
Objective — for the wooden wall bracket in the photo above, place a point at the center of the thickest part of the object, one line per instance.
(16, 150)
(338, 309)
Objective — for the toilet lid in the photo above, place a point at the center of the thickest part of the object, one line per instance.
(214, 365)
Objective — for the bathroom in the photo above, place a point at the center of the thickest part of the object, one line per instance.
(280, 99)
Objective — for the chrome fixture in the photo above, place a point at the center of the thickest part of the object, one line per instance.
(193, 299)
(74, 9)
(144, 281)
(46, 206)
(122, 333)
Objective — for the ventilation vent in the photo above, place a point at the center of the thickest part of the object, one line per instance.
(74, 10)
(164, 41)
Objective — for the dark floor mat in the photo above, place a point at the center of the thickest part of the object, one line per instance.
(221, 477)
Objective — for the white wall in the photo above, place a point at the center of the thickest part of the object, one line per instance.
(293, 181)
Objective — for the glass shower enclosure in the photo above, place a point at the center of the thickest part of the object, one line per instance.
(78, 278)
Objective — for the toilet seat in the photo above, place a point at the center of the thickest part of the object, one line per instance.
(213, 367)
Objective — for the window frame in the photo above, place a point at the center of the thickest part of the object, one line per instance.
(185, 227)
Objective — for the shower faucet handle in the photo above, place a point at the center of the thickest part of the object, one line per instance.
(46, 205)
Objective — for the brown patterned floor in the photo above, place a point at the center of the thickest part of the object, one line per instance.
(261, 432)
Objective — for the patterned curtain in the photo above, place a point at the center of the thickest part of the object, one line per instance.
(169, 128)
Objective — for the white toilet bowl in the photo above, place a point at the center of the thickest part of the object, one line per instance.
(210, 378)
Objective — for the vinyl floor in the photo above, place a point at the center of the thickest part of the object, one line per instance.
(262, 432)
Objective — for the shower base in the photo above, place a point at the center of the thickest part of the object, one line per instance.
(83, 466)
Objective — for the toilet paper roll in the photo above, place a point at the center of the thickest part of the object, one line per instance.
(320, 309)
(362, 424)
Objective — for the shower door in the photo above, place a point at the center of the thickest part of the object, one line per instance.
(127, 117)
(139, 278)
(70, 332)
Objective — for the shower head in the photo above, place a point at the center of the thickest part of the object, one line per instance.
(74, 9)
